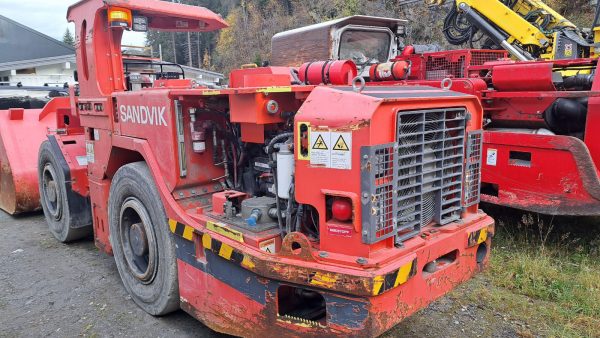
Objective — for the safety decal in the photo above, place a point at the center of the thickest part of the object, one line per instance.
(275, 89)
(89, 151)
(319, 148)
(568, 49)
(395, 278)
(477, 237)
(331, 149)
(341, 144)
(267, 246)
(226, 231)
(492, 157)
(211, 92)
(341, 156)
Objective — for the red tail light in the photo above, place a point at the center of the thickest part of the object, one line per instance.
(341, 209)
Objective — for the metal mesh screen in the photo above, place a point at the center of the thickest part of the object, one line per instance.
(420, 176)
(478, 58)
(473, 168)
(440, 67)
(457, 64)
(377, 173)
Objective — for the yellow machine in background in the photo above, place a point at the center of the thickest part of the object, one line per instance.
(528, 29)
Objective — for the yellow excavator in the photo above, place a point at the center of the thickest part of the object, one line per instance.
(527, 29)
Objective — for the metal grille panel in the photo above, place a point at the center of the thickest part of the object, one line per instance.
(473, 168)
(417, 180)
(377, 171)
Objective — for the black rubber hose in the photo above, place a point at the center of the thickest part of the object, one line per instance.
(276, 139)
(454, 33)
(580, 81)
(566, 116)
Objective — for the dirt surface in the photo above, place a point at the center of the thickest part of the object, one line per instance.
(51, 289)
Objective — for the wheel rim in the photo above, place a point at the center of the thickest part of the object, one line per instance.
(53, 198)
(137, 240)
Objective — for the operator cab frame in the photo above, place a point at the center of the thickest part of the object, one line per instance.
(325, 41)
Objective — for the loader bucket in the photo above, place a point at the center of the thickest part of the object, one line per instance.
(22, 131)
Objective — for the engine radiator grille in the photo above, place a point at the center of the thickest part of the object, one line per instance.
(416, 180)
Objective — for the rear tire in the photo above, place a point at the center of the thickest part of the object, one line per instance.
(53, 197)
(142, 244)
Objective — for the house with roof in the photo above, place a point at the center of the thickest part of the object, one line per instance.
(31, 58)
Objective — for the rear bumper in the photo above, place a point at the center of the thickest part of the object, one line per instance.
(231, 299)
(553, 175)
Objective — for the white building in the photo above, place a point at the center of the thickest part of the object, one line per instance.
(31, 58)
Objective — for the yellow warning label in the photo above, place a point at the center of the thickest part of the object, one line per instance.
(320, 144)
(341, 144)
(226, 231)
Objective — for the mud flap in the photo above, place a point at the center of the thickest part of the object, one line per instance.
(79, 206)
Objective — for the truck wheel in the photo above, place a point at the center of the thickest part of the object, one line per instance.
(142, 244)
(53, 197)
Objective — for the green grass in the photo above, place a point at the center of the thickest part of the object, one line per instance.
(546, 272)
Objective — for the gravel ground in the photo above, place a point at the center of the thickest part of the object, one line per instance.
(51, 289)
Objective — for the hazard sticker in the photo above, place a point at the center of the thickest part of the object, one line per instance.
(331, 149)
(492, 157)
(341, 156)
(268, 246)
(319, 148)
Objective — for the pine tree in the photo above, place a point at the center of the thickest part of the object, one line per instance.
(68, 38)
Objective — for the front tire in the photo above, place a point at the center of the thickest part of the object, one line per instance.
(143, 246)
(54, 198)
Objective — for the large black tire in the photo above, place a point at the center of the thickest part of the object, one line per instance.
(54, 197)
(143, 246)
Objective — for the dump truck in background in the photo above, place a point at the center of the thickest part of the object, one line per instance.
(221, 201)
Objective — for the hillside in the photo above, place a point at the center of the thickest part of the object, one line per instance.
(253, 22)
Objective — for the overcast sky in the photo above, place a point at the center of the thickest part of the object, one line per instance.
(50, 17)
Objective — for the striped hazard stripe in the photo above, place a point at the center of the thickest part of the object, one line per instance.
(223, 250)
(181, 230)
(395, 278)
(327, 280)
(477, 237)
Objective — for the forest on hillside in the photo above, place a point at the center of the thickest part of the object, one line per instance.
(254, 22)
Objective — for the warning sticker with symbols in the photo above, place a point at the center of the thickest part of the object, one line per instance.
(319, 148)
(331, 149)
(492, 157)
(341, 156)
(267, 246)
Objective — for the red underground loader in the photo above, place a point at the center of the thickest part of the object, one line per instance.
(541, 151)
(222, 202)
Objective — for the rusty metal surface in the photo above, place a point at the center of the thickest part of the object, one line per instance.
(244, 302)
